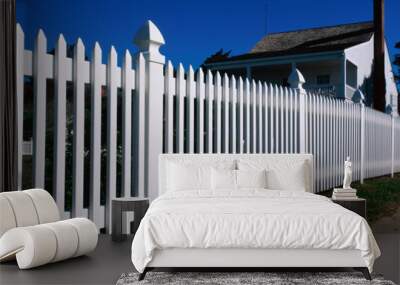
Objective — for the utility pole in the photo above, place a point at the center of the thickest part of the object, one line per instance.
(379, 57)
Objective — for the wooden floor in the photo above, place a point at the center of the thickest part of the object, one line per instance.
(103, 266)
(110, 260)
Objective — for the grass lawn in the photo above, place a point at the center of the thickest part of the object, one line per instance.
(382, 195)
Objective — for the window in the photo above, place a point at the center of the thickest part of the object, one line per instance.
(323, 79)
(351, 74)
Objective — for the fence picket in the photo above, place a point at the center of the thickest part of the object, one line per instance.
(169, 108)
(78, 159)
(367, 144)
(271, 118)
(225, 115)
(210, 110)
(41, 71)
(352, 141)
(253, 120)
(97, 80)
(325, 143)
(392, 146)
(265, 123)
(60, 82)
(355, 144)
(314, 132)
(331, 146)
(140, 125)
(326, 151)
(240, 122)
(281, 120)
(218, 115)
(292, 116)
(259, 117)
(346, 133)
(336, 141)
(319, 143)
(113, 82)
(287, 120)
(180, 102)
(200, 110)
(128, 77)
(343, 136)
(276, 115)
(190, 94)
(296, 115)
(247, 114)
(233, 126)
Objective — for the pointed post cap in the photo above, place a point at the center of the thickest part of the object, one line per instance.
(358, 97)
(149, 39)
(296, 79)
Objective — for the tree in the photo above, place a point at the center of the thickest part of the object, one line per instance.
(219, 55)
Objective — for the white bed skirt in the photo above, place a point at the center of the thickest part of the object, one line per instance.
(190, 257)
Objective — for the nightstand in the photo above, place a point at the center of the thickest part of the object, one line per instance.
(357, 205)
(138, 206)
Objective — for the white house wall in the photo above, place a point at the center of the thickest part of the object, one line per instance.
(362, 55)
(391, 89)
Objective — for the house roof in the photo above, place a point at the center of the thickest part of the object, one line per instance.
(321, 39)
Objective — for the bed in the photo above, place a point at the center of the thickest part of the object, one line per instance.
(246, 211)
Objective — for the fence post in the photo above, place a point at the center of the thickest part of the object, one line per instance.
(149, 39)
(360, 98)
(41, 71)
(296, 81)
(392, 167)
(362, 148)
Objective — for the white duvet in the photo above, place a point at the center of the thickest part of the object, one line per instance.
(250, 219)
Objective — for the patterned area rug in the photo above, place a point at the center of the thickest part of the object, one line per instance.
(243, 278)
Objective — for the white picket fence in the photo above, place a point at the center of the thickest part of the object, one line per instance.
(191, 112)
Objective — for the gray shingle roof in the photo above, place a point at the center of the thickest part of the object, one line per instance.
(322, 39)
(348, 34)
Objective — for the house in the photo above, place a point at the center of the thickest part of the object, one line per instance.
(334, 60)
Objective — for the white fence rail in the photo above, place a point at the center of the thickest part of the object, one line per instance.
(165, 109)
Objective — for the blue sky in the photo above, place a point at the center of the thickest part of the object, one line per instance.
(192, 29)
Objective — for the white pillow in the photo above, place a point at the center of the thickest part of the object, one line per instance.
(293, 179)
(183, 177)
(223, 179)
(282, 174)
(251, 179)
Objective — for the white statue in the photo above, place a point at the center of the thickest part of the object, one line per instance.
(347, 174)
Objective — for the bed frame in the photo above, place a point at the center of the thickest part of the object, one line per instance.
(259, 259)
(242, 259)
